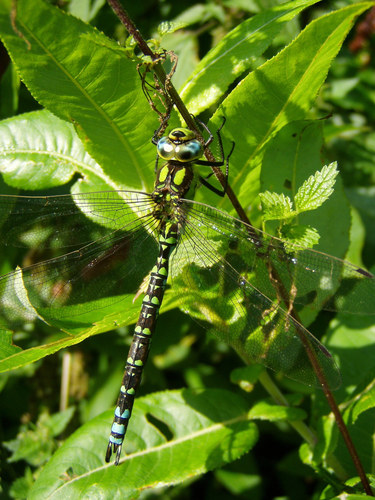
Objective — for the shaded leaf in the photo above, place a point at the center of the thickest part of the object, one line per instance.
(268, 411)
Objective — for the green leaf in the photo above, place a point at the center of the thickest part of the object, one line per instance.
(302, 236)
(235, 54)
(86, 79)
(35, 443)
(184, 434)
(7, 348)
(329, 493)
(267, 411)
(241, 478)
(246, 376)
(40, 151)
(90, 322)
(364, 402)
(21, 486)
(316, 189)
(280, 91)
(58, 422)
(295, 149)
(276, 206)
(353, 338)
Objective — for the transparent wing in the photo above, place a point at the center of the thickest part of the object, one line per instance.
(241, 282)
(110, 245)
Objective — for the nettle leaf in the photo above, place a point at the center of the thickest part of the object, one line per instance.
(316, 189)
(295, 149)
(276, 206)
(300, 235)
(311, 195)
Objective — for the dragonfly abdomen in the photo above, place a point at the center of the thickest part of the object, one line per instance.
(140, 345)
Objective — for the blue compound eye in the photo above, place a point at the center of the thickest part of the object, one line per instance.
(165, 148)
(180, 145)
(189, 151)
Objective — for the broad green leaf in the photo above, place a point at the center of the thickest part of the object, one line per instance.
(40, 151)
(353, 338)
(207, 429)
(326, 444)
(235, 53)
(360, 433)
(316, 189)
(85, 78)
(260, 105)
(97, 320)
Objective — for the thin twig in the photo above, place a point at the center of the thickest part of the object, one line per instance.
(175, 97)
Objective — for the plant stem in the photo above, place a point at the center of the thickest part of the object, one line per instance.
(300, 427)
(176, 99)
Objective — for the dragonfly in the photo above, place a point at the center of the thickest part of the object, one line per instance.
(93, 249)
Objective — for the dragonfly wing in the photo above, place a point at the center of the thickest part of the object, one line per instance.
(57, 221)
(220, 270)
(314, 279)
(102, 264)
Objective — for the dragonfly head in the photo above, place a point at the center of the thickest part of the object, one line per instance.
(180, 145)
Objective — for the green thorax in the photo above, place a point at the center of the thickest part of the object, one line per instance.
(177, 179)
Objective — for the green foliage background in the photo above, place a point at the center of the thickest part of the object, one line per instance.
(296, 96)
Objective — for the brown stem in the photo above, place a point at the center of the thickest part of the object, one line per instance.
(133, 31)
(338, 417)
(176, 99)
(325, 386)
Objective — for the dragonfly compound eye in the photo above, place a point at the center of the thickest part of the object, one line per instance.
(165, 148)
(189, 151)
(180, 145)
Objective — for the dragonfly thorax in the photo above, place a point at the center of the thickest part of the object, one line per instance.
(174, 180)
